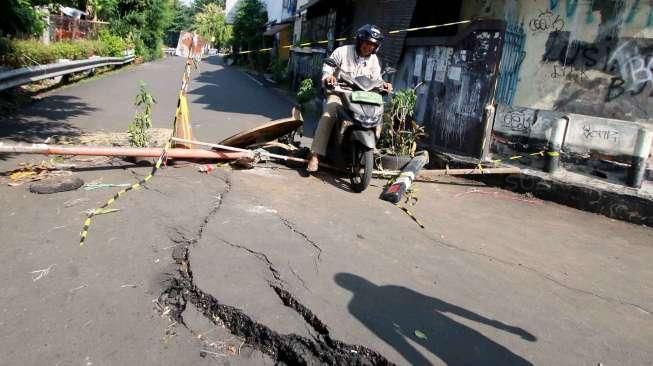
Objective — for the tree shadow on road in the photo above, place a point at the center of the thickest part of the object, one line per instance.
(230, 91)
(45, 118)
(396, 314)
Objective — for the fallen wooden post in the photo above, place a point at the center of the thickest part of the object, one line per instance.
(153, 152)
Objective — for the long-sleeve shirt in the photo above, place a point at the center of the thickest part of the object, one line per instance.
(350, 62)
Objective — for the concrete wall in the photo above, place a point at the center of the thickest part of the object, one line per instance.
(589, 57)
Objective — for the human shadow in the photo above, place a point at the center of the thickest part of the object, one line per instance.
(45, 118)
(396, 314)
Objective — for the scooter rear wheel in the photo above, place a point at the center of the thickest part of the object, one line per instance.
(362, 164)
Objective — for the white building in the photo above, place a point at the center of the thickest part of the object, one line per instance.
(278, 10)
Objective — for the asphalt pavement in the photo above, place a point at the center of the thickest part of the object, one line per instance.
(267, 265)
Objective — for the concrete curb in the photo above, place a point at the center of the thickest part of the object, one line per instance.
(573, 190)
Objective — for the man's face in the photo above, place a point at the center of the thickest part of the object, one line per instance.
(367, 48)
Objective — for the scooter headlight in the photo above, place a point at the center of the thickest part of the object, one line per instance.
(367, 120)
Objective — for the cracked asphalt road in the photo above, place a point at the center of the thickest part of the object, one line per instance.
(262, 266)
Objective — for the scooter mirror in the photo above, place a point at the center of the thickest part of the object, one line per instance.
(389, 70)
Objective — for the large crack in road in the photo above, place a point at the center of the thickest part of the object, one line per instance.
(181, 291)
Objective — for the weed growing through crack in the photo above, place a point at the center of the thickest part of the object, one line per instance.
(139, 135)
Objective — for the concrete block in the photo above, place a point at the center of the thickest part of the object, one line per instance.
(523, 121)
(610, 136)
(514, 121)
(584, 133)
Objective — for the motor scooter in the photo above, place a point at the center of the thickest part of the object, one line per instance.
(353, 138)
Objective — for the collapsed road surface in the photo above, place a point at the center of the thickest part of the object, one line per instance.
(264, 265)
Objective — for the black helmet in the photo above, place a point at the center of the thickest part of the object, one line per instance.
(370, 33)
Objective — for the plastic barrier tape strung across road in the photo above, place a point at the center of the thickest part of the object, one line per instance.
(99, 210)
(180, 121)
(344, 39)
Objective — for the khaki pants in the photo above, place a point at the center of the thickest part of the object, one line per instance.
(325, 125)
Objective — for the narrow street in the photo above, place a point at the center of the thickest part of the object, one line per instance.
(249, 267)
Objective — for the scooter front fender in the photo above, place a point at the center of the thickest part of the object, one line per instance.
(366, 137)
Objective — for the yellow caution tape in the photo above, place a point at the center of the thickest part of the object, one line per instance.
(104, 208)
(305, 44)
(429, 27)
(181, 122)
(411, 215)
(539, 153)
(181, 127)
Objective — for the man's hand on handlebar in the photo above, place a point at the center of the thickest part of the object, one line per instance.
(330, 81)
(387, 87)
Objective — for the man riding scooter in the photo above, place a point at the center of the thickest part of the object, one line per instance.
(357, 60)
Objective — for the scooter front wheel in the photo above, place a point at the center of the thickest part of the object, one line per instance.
(362, 163)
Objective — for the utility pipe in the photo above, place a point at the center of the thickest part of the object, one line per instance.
(45, 149)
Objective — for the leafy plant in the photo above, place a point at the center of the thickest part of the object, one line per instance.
(19, 18)
(279, 70)
(20, 53)
(146, 20)
(249, 23)
(113, 44)
(211, 24)
(181, 19)
(139, 135)
(306, 92)
(400, 131)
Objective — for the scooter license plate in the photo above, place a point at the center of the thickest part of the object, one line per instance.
(359, 96)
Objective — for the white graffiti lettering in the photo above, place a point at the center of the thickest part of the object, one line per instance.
(635, 69)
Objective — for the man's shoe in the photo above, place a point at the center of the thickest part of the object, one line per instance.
(313, 164)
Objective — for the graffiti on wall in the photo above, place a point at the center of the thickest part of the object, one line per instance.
(569, 73)
(546, 21)
(628, 63)
(458, 83)
(591, 133)
(635, 71)
(518, 120)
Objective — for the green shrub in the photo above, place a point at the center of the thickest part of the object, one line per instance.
(113, 45)
(19, 18)
(21, 53)
(306, 92)
(279, 70)
(5, 46)
(28, 53)
(400, 132)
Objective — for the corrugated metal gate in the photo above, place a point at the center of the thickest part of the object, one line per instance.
(306, 64)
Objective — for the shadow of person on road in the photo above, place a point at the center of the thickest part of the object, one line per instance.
(396, 313)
